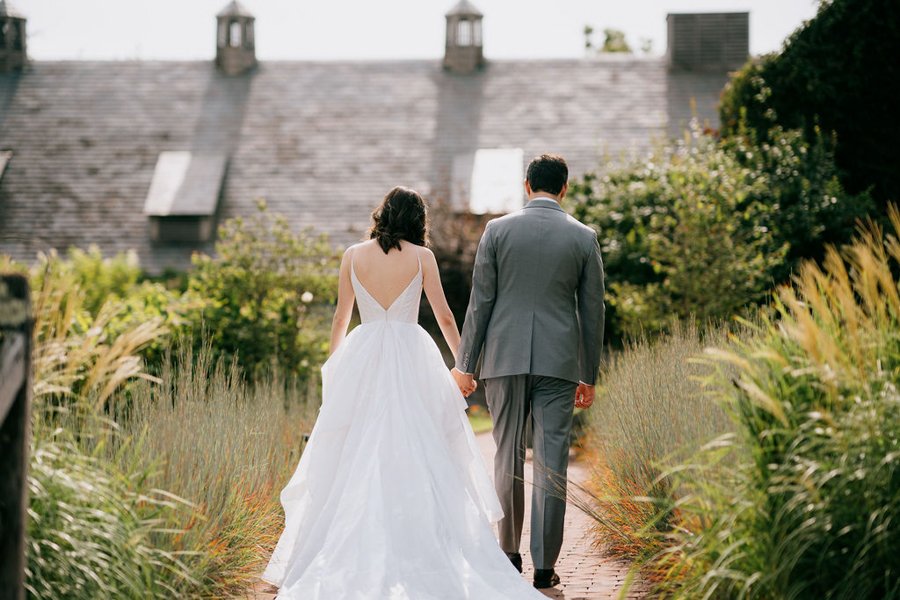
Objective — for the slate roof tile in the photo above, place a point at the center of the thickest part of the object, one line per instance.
(322, 142)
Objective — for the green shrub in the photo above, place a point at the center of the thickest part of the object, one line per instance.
(80, 354)
(704, 227)
(810, 208)
(808, 502)
(833, 73)
(265, 296)
(99, 278)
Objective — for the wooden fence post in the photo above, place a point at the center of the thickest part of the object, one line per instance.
(15, 417)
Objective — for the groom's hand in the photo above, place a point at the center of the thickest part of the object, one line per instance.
(584, 395)
(465, 381)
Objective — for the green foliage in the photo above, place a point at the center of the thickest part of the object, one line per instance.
(89, 531)
(90, 525)
(833, 73)
(614, 42)
(161, 487)
(705, 226)
(144, 487)
(87, 294)
(650, 409)
(225, 444)
(265, 294)
(810, 208)
(80, 353)
(264, 297)
(805, 498)
(98, 278)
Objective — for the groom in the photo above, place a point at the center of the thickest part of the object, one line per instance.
(535, 318)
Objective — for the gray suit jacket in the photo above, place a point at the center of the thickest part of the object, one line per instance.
(537, 297)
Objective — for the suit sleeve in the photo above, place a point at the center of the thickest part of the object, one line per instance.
(481, 304)
(591, 314)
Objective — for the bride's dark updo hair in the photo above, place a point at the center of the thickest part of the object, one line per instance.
(401, 216)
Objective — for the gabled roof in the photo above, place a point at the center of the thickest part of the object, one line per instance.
(322, 142)
(464, 8)
(235, 9)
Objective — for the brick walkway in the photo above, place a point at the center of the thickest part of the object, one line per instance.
(585, 573)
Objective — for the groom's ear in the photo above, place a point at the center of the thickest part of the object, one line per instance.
(562, 192)
(527, 187)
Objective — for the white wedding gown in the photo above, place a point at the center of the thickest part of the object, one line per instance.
(391, 499)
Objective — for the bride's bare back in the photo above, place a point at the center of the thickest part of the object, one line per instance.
(385, 276)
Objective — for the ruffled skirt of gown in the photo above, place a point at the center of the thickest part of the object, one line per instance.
(391, 498)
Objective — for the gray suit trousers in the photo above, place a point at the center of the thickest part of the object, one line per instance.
(549, 403)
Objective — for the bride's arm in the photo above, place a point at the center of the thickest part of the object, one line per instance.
(344, 309)
(435, 293)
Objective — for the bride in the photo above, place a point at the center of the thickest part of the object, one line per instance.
(391, 498)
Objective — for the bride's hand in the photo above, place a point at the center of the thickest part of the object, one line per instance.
(465, 381)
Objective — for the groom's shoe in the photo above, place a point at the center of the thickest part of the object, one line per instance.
(516, 559)
(545, 578)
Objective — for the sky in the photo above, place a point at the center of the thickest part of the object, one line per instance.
(369, 29)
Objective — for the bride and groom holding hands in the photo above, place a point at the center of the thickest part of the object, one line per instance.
(391, 498)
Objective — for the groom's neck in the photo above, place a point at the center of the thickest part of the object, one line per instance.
(556, 197)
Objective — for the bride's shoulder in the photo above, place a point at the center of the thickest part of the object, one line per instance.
(428, 260)
(357, 247)
(424, 253)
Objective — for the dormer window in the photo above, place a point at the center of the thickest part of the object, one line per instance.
(489, 181)
(183, 198)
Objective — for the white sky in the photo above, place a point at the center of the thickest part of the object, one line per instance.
(375, 29)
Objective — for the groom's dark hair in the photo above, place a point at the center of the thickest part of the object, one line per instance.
(547, 173)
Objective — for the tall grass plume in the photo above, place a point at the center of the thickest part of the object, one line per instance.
(650, 408)
(809, 506)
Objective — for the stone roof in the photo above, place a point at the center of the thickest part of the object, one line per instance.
(322, 142)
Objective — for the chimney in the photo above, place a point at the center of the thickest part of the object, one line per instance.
(464, 51)
(13, 52)
(235, 44)
(708, 41)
